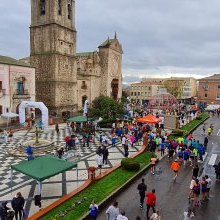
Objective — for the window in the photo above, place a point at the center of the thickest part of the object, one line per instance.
(83, 85)
(218, 86)
(69, 10)
(0, 85)
(218, 96)
(131, 93)
(138, 93)
(42, 7)
(206, 95)
(20, 88)
(0, 109)
(60, 7)
(205, 86)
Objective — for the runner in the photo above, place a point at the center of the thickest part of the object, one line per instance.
(204, 189)
(142, 189)
(209, 183)
(113, 211)
(122, 216)
(191, 192)
(175, 167)
(196, 193)
(195, 171)
(150, 201)
(153, 164)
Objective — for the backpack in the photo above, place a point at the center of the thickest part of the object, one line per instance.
(37, 200)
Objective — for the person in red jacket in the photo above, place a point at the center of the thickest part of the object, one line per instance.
(150, 201)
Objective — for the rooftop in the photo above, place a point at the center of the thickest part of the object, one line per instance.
(12, 61)
(146, 83)
(107, 42)
(84, 54)
(213, 77)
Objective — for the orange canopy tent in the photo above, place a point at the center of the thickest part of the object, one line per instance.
(148, 119)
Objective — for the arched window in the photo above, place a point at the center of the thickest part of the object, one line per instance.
(42, 7)
(60, 7)
(20, 88)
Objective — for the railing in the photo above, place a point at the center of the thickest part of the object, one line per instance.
(21, 94)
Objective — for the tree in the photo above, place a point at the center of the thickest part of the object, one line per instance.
(106, 108)
(174, 87)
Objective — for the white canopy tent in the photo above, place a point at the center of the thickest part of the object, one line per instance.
(212, 107)
(30, 104)
(9, 116)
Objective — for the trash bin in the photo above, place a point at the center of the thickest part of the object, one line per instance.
(91, 173)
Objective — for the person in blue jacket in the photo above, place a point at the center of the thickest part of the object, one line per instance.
(93, 210)
(29, 152)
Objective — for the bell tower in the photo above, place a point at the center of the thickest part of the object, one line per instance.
(53, 50)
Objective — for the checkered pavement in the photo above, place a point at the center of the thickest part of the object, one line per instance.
(7, 160)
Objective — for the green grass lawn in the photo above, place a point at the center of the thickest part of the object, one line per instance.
(77, 206)
(192, 125)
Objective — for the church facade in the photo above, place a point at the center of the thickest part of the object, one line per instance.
(64, 78)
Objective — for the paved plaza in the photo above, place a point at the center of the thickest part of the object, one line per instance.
(61, 184)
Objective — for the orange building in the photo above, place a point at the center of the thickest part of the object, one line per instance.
(209, 90)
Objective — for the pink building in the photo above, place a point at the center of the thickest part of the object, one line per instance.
(17, 84)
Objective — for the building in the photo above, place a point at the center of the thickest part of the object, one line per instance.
(143, 91)
(64, 78)
(209, 90)
(17, 84)
(183, 88)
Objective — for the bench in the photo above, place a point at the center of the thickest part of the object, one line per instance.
(212, 160)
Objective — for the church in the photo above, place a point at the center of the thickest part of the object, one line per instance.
(65, 78)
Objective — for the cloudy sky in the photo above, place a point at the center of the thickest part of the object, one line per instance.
(159, 37)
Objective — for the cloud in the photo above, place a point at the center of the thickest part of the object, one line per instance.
(158, 37)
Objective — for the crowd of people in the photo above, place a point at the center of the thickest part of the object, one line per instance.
(182, 152)
(17, 210)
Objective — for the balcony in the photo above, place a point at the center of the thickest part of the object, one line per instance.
(21, 94)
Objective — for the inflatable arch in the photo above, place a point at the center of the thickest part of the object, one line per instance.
(30, 104)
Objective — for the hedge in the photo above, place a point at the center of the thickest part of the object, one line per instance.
(189, 127)
(130, 164)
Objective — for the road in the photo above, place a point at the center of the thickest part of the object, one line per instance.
(172, 198)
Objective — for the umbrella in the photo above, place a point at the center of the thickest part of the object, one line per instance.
(9, 115)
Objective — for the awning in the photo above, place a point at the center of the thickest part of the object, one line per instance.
(9, 115)
(79, 119)
(43, 167)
